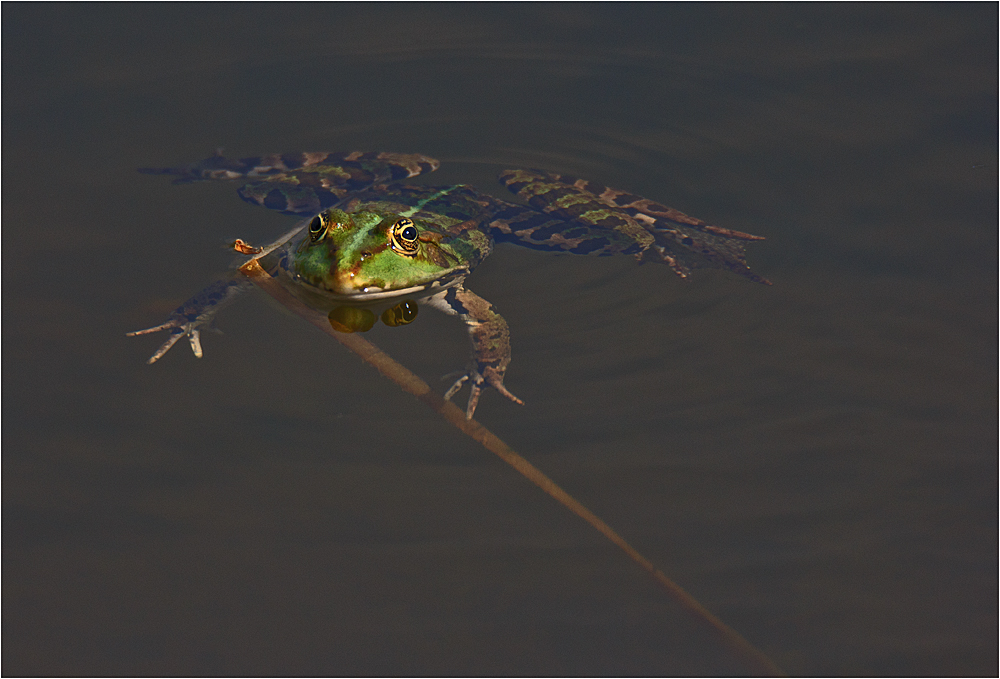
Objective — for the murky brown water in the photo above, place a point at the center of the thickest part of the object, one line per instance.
(815, 461)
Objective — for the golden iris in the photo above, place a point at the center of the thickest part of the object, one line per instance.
(317, 228)
(403, 235)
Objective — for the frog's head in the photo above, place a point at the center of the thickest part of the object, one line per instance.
(366, 252)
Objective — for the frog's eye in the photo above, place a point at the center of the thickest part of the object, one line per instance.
(404, 237)
(317, 228)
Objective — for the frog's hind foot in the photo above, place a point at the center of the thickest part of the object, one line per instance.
(685, 243)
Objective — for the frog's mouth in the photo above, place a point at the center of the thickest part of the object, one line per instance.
(361, 293)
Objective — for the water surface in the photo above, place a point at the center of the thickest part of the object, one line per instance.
(815, 461)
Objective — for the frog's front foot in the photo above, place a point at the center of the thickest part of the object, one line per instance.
(489, 376)
(179, 326)
(196, 314)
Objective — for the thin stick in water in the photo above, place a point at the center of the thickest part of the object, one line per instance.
(761, 665)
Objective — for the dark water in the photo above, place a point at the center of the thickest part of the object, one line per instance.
(815, 461)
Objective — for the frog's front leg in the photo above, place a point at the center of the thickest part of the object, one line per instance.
(490, 344)
(196, 313)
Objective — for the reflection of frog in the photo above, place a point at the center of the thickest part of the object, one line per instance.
(374, 248)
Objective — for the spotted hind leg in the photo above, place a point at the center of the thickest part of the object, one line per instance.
(596, 219)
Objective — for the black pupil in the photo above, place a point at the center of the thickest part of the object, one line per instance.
(315, 224)
(409, 233)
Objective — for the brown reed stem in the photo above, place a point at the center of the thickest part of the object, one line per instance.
(759, 663)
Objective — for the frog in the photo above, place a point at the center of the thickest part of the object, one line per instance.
(372, 246)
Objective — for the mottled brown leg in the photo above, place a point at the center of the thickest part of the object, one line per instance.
(630, 224)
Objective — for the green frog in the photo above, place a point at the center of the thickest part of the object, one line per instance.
(372, 247)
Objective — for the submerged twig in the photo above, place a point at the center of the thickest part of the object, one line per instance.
(409, 382)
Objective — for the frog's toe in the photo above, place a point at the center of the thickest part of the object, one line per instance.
(475, 389)
(195, 338)
(454, 388)
(178, 329)
(172, 323)
(165, 347)
(470, 407)
(506, 392)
